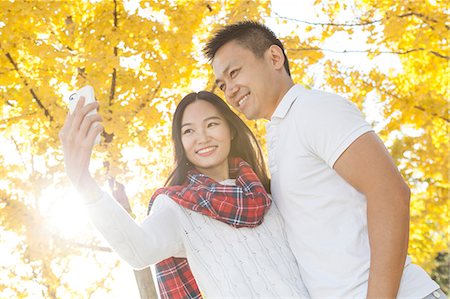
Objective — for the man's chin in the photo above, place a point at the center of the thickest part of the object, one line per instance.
(248, 115)
(251, 116)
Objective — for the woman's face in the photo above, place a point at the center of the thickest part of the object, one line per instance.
(206, 139)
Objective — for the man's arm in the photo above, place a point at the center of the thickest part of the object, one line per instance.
(368, 167)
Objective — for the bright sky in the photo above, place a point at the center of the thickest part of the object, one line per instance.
(68, 215)
(337, 43)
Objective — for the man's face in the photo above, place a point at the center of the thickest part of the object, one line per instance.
(246, 80)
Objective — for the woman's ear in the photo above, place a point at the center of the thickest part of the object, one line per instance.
(233, 134)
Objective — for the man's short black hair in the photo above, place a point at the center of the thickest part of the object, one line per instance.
(253, 35)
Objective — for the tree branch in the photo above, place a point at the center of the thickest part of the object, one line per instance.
(439, 55)
(433, 114)
(142, 105)
(33, 93)
(114, 74)
(422, 17)
(113, 84)
(364, 23)
(7, 120)
(20, 153)
(392, 95)
(371, 51)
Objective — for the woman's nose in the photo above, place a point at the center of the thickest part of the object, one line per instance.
(202, 136)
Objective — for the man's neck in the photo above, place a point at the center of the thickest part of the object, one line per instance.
(285, 87)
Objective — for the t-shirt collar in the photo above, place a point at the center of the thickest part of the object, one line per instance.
(287, 101)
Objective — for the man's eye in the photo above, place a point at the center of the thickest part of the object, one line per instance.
(222, 87)
(234, 73)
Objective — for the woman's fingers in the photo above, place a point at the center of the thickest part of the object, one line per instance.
(88, 123)
(71, 131)
(67, 129)
(76, 111)
(79, 105)
(80, 113)
(92, 134)
(78, 135)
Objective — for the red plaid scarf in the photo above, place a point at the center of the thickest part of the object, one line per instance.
(243, 205)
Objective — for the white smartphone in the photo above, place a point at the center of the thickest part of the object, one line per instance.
(73, 97)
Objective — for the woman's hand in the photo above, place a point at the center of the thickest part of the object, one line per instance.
(78, 139)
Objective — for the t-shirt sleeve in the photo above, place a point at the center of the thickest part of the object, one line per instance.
(140, 245)
(328, 124)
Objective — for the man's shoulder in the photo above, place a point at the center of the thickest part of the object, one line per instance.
(315, 111)
(312, 95)
(309, 102)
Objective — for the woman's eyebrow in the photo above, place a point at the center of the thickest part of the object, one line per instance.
(205, 120)
(212, 117)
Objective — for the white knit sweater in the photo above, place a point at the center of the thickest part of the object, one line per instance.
(226, 262)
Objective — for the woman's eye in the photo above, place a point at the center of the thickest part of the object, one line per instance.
(222, 87)
(212, 124)
(233, 73)
(187, 131)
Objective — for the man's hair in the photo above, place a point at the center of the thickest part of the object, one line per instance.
(254, 36)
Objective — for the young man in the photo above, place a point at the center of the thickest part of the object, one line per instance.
(345, 204)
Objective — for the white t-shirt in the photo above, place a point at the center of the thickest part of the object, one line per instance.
(325, 217)
(226, 262)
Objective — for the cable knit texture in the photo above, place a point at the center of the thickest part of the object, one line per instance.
(240, 263)
(227, 262)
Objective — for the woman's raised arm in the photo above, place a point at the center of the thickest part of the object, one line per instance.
(77, 140)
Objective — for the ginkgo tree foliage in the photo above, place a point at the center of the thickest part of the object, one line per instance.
(142, 57)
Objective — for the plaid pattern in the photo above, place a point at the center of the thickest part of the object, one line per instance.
(175, 279)
(243, 205)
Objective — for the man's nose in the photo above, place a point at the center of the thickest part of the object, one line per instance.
(230, 91)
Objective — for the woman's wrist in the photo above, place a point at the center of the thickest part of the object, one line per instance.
(89, 189)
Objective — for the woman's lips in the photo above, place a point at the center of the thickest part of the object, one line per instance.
(207, 151)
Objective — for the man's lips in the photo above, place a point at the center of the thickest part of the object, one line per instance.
(242, 100)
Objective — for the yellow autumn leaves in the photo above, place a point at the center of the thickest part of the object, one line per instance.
(143, 59)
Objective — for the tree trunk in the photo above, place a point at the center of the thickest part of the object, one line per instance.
(144, 280)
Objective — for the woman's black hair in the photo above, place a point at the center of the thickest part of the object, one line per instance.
(243, 144)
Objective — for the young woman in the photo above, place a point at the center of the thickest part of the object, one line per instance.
(215, 212)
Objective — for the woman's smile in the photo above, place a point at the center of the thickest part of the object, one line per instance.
(206, 151)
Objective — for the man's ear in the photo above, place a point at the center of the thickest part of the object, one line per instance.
(276, 56)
